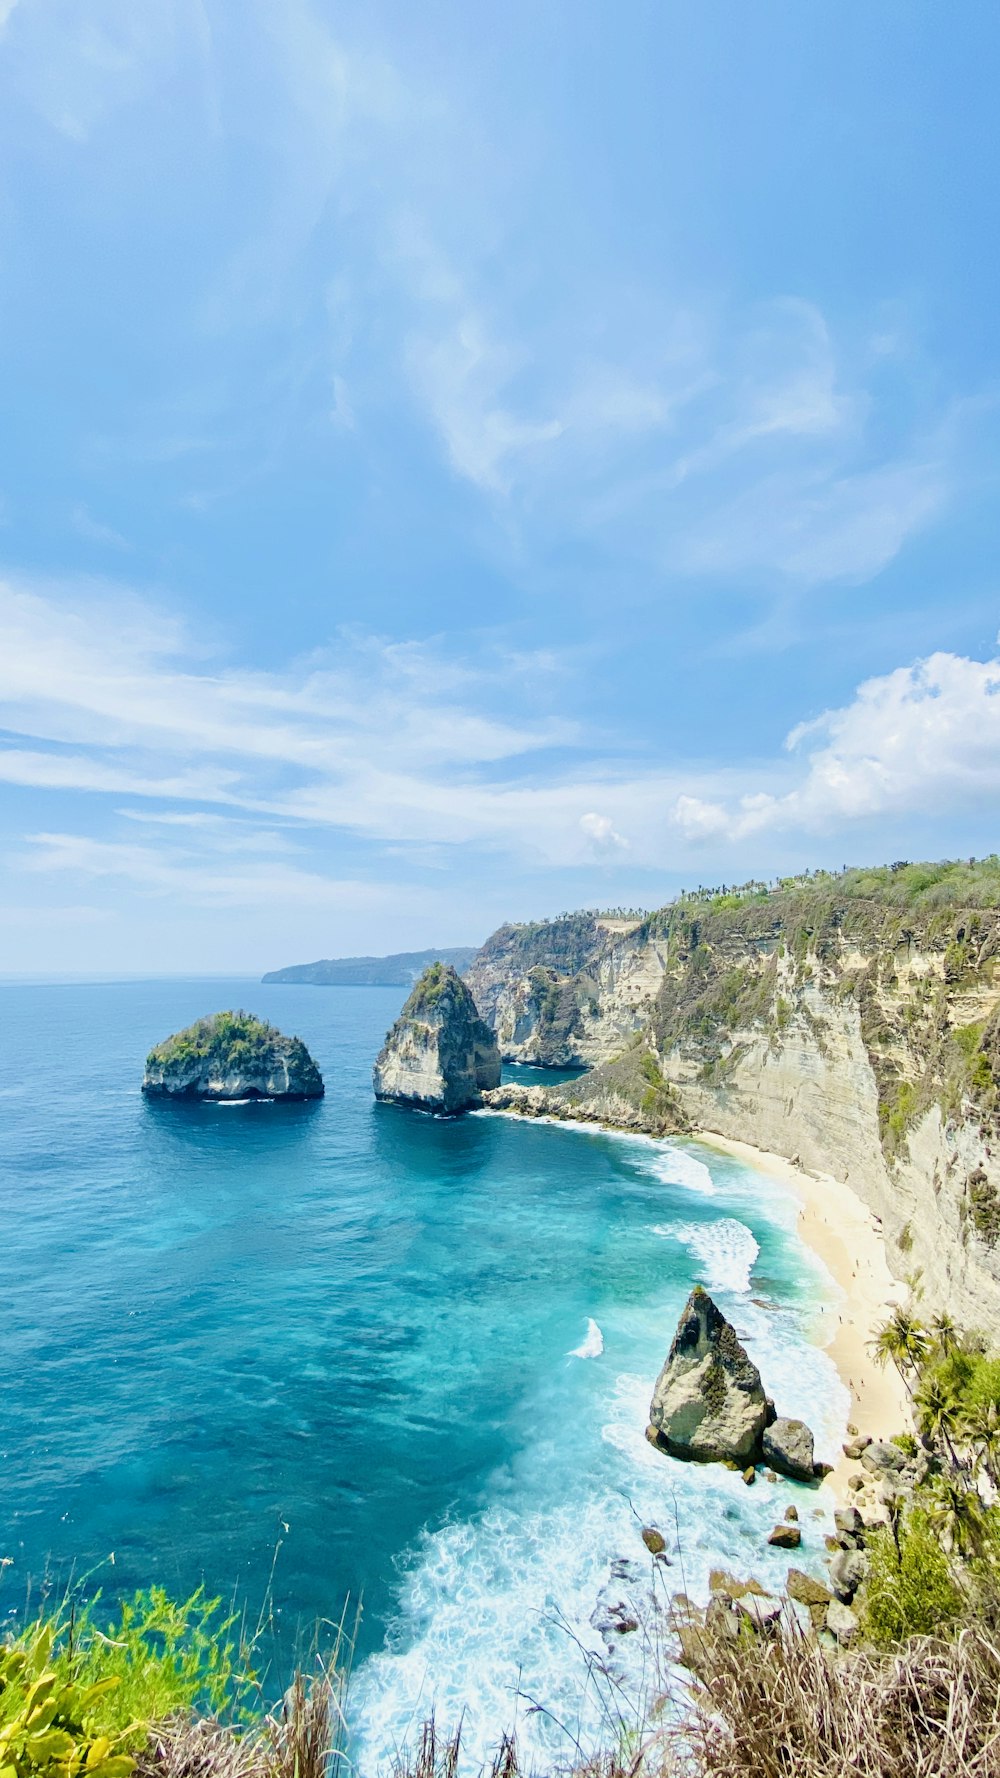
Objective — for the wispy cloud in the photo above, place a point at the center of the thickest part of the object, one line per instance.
(391, 749)
(202, 882)
(93, 531)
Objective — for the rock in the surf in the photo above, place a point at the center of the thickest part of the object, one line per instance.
(231, 1055)
(788, 1446)
(440, 1055)
(708, 1403)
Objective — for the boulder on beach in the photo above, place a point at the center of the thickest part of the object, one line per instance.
(708, 1403)
(231, 1055)
(440, 1055)
(882, 1458)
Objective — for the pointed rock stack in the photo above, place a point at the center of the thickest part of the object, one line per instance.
(709, 1402)
(440, 1055)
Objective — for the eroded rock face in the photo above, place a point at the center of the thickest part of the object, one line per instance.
(439, 1055)
(231, 1055)
(709, 1403)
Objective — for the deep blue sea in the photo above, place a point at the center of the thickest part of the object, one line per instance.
(360, 1353)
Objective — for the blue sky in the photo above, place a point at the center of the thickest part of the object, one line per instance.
(463, 462)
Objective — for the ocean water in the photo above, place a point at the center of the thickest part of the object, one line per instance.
(349, 1352)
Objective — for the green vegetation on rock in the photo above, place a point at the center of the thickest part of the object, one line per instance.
(232, 1054)
(224, 1037)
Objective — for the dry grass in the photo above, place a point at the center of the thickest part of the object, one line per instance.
(305, 1738)
(782, 1707)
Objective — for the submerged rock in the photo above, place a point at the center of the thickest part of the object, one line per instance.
(231, 1055)
(708, 1403)
(440, 1055)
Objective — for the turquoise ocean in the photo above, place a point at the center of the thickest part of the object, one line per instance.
(349, 1352)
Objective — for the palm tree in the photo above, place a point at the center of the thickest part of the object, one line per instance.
(982, 1427)
(945, 1332)
(905, 1341)
(957, 1513)
(939, 1414)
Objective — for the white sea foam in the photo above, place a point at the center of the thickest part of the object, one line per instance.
(675, 1166)
(592, 1346)
(496, 1613)
(726, 1251)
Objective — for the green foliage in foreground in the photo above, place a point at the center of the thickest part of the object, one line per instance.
(910, 1589)
(51, 1726)
(80, 1690)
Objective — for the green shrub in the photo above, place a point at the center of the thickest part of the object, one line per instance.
(151, 1659)
(983, 1387)
(51, 1726)
(909, 1591)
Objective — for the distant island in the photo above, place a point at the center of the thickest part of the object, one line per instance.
(400, 970)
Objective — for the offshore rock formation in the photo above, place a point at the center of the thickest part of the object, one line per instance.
(708, 1403)
(439, 1055)
(852, 1021)
(231, 1055)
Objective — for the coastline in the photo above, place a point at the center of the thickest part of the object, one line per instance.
(844, 1235)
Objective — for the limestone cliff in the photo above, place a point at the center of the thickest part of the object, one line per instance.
(439, 1055)
(852, 1021)
(231, 1055)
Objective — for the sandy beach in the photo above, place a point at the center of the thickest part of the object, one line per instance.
(844, 1234)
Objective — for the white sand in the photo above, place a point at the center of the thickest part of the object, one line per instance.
(845, 1235)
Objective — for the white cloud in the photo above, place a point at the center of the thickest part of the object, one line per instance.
(923, 740)
(77, 60)
(394, 747)
(602, 834)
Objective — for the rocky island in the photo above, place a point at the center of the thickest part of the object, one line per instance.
(709, 1404)
(231, 1055)
(439, 1055)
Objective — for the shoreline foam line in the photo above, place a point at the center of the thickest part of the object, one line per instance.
(843, 1234)
(837, 1229)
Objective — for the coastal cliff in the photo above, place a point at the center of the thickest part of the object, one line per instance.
(851, 1022)
(439, 1055)
(231, 1055)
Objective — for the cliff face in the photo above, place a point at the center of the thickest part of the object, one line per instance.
(231, 1055)
(440, 1055)
(854, 1024)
